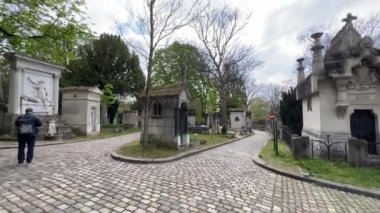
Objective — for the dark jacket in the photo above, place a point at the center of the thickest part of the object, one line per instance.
(30, 118)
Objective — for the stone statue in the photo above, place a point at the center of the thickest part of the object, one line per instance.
(40, 93)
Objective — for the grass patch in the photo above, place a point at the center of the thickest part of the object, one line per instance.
(111, 131)
(329, 170)
(342, 173)
(136, 150)
(284, 160)
(211, 140)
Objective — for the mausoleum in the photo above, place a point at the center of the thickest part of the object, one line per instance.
(239, 119)
(168, 115)
(341, 96)
(81, 109)
(33, 84)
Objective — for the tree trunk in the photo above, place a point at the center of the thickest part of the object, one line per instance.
(223, 109)
(144, 138)
(103, 112)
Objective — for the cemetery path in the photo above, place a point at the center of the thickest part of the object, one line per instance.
(82, 177)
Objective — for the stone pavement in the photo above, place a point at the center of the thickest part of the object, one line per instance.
(82, 177)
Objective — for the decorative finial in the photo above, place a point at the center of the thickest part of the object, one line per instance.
(300, 68)
(349, 18)
(300, 65)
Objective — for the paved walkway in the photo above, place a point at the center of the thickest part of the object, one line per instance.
(83, 177)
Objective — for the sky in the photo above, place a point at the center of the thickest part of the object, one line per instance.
(273, 27)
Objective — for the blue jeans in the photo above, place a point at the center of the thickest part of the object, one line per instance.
(24, 140)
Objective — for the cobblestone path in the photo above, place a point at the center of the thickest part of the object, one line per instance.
(83, 178)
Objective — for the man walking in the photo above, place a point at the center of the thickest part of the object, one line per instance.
(27, 132)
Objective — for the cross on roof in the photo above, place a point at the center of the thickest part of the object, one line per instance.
(349, 18)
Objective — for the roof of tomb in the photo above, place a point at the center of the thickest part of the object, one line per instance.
(13, 57)
(347, 37)
(164, 91)
(236, 110)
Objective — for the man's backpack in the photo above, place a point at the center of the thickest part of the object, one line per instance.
(26, 126)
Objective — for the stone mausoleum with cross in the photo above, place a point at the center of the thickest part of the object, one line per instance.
(341, 96)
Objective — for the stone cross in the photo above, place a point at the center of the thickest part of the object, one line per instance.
(349, 18)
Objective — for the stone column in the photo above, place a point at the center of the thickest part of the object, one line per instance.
(15, 91)
(301, 70)
(56, 93)
(317, 63)
(341, 97)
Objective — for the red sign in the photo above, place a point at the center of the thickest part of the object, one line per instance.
(272, 115)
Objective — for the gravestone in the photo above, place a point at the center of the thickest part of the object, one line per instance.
(301, 147)
(357, 152)
(131, 119)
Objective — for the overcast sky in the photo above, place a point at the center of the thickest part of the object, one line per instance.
(273, 27)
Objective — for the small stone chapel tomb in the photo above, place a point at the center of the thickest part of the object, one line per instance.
(81, 109)
(168, 115)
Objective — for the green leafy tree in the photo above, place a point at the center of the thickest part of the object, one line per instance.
(179, 62)
(259, 109)
(236, 94)
(49, 29)
(108, 96)
(106, 60)
(291, 111)
(108, 99)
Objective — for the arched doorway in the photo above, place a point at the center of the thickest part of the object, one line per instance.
(183, 123)
(363, 127)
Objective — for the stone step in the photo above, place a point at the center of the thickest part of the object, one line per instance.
(374, 160)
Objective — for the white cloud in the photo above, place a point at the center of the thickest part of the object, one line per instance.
(273, 27)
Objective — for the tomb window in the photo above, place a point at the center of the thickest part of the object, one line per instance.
(157, 109)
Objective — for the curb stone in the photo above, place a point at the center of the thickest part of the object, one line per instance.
(62, 142)
(321, 182)
(119, 157)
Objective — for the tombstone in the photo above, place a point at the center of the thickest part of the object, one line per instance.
(33, 84)
(168, 116)
(131, 119)
(357, 152)
(301, 147)
(81, 109)
(191, 117)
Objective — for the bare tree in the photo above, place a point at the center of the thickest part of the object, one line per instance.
(251, 92)
(272, 93)
(366, 26)
(218, 30)
(157, 22)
